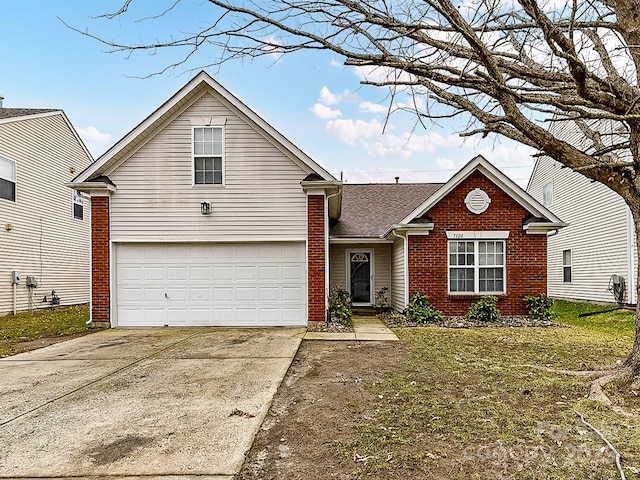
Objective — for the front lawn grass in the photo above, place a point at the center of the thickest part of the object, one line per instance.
(30, 330)
(486, 403)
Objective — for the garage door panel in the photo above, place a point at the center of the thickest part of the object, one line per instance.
(246, 273)
(292, 272)
(211, 284)
(222, 273)
(200, 294)
(177, 274)
(154, 295)
(155, 274)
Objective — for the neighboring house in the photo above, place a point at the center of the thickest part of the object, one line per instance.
(597, 248)
(44, 225)
(205, 215)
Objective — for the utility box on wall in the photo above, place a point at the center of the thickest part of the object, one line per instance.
(15, 277)
(32, 281)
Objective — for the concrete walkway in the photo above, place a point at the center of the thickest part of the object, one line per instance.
(367, 328)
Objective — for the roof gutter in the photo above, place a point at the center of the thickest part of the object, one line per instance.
(543, 228)
(424, 228)
(93, 187)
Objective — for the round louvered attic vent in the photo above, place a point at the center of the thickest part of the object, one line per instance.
(477, 201)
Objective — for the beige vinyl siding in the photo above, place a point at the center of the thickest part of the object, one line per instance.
(46, 241)
(398, 276)
(381, 264)
(598, 232)
(262, 198)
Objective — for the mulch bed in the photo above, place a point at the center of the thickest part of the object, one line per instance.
(329, 327)
(515, 321)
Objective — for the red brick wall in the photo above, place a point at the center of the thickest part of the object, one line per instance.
(100, 259)
(316, 257)
(526, 255)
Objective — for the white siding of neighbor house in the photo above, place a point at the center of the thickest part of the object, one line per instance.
(46, 241)
(381, 265)
(598, 233)
(262, 198)
(398, 276)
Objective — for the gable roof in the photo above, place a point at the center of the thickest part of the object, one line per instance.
(187, 95)
(14, 113)
(370, 210)
(542, 215)
(374, 210)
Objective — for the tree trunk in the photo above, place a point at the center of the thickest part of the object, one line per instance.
(633, 360)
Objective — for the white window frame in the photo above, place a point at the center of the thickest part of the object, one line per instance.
(567, 265)
(77, 199)
(547, 194)
(195, 156)
(14, 180)
(476, 266)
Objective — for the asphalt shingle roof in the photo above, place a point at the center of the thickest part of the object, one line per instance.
(23, 112)
(369, 210)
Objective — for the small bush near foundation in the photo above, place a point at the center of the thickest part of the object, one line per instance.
(340, 307)
(381, 298)
(419, 310)
(484, 310)
(540, 307)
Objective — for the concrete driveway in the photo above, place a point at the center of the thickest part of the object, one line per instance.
(159, 403)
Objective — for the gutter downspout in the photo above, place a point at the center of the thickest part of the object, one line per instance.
(326, 247)
(405, 260)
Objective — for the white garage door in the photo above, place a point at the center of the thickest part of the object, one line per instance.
(211, 284)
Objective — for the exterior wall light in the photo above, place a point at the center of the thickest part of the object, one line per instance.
(205, 208)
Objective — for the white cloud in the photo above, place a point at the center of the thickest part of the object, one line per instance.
(370, 107)
(324, 112)
(348, 131)
(329, 98)
(92, 134)
(407, 143)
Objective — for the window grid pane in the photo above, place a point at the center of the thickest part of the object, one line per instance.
(487, 269)
(208, 149)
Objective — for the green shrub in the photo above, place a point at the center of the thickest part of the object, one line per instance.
(381, 298)
(419, 310)
(340, 307)
(484, 310)
(540, 307)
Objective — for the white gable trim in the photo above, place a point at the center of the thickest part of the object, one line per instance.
(482, 165)
(141, 133)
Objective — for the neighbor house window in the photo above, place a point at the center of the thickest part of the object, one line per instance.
(208, 155)
(78, 207)
(567, 261)
(7, 179)
(476, 266)
(547, 194)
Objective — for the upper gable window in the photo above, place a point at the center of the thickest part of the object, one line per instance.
(208, 156)
(78, 206)
(547, 194)
(7, 179)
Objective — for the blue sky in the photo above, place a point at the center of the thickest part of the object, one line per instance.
(310, 97)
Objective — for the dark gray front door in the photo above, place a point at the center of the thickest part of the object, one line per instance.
(360, 276)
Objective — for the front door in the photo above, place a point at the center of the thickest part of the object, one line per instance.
(360, 276)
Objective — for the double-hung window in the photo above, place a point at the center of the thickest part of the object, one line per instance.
(7, 179)
(567, 264)
(78, 205)
(476, 266)
(208, 156)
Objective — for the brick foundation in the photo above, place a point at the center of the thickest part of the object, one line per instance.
(316, 257)
(525, 255)
(100, 306)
